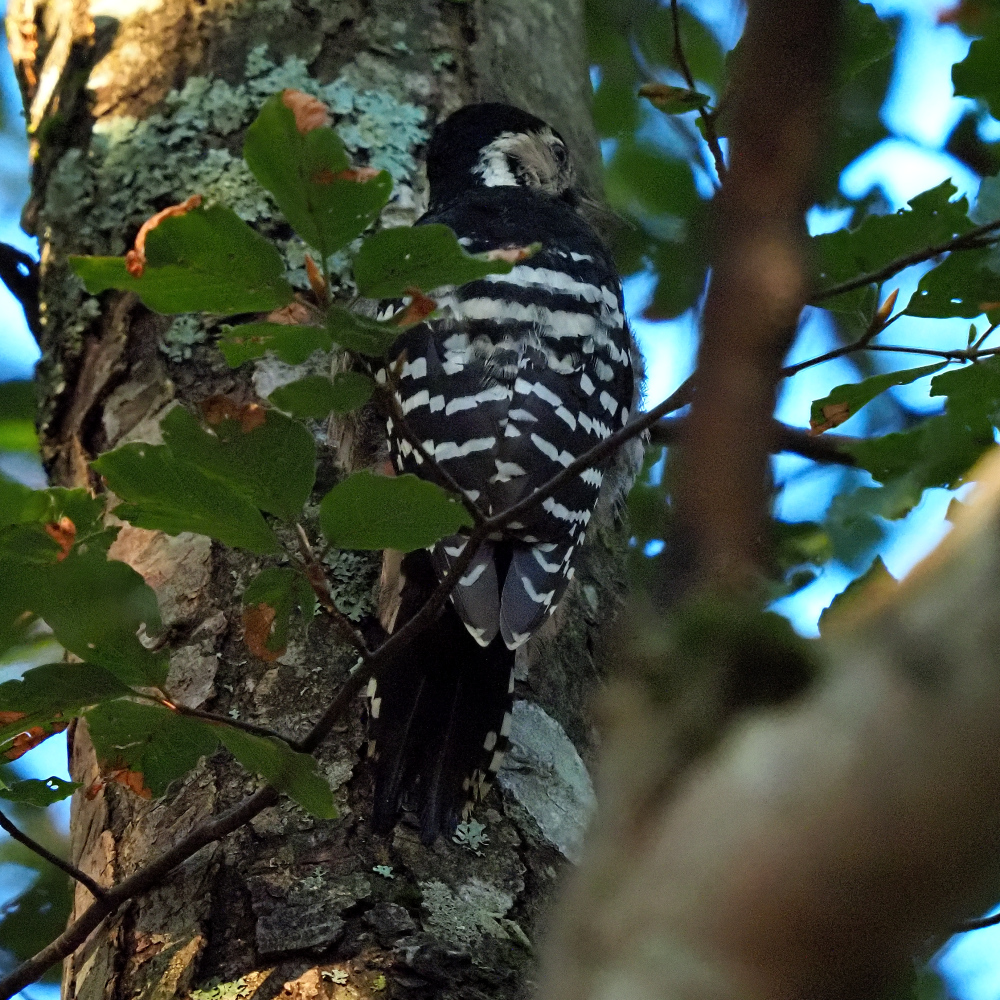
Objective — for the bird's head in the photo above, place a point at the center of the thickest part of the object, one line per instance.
(496, 145)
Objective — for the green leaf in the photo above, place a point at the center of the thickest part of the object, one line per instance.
(965, 284)
(54, 693)
(361, 334)
(282, 588)
(159, 746)
(164, 492)
(153, 742)
(941, 450)
(292, 344)
(987, 204)
(876, 576)
(865, 41)
(424, 257)
(845, 400)
(316, 396)
(938, 452)
(95, 606)
(279, 765)
(17, 619)
(273, 464)
(17, 417)
(641, 181)
(681, 269)
(208, 260)
(301, 171)
(19, 504)
(855, 121)
(976, 75)
(853, 311)
(35, 792)
(366, 511)
(931, 219)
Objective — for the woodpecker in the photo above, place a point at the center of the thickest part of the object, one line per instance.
(512, 378)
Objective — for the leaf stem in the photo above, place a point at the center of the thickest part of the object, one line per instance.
(707, 117)
(972, 240)
(83, 878)
(223, 720)
(317, 578)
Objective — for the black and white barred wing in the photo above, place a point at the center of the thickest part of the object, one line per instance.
(518, 376)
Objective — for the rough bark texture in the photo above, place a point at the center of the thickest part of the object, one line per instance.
(136, 105)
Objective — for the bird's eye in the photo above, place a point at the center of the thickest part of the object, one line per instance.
(559, 152)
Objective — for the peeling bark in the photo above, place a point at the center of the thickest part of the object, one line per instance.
(137, 105)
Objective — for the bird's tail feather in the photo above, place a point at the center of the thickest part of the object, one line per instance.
(440, 716)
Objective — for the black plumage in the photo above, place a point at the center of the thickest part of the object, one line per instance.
(513, 378)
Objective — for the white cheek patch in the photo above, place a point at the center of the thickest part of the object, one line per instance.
(493, 166)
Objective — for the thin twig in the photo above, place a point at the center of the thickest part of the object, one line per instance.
(861, 344)
(70, 869)
(979, 343)
(223, 720)
(829, 448)
(980, 923)
(142, 881)
(316, 576)
(391, 408)
(707, 117)
(967, 241)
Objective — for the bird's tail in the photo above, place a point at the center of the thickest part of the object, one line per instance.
(440, 714)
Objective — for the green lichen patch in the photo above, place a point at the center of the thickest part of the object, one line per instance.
(133, 167)
(181, 336)
(465, 916)
(97, 197)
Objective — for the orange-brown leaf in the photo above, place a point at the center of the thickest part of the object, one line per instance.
(310, 112)
(833, 416)
(135, 259)
(133, 780)
(885, 310)
(258, 620)
(219, 408)
(30, 739)
(294, 314)
(316, 280)
(6, 718)
(420, 307)
(63, 533)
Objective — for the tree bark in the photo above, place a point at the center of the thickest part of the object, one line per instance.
(134, 106)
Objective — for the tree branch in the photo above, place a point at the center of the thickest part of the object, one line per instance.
(316, 576)
(70, 869)
(971, 240)
(223, 720)
(707, 117)
(826, 448)
(856, 821)
(758, 289)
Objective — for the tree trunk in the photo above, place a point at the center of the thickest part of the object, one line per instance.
(134, 106)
